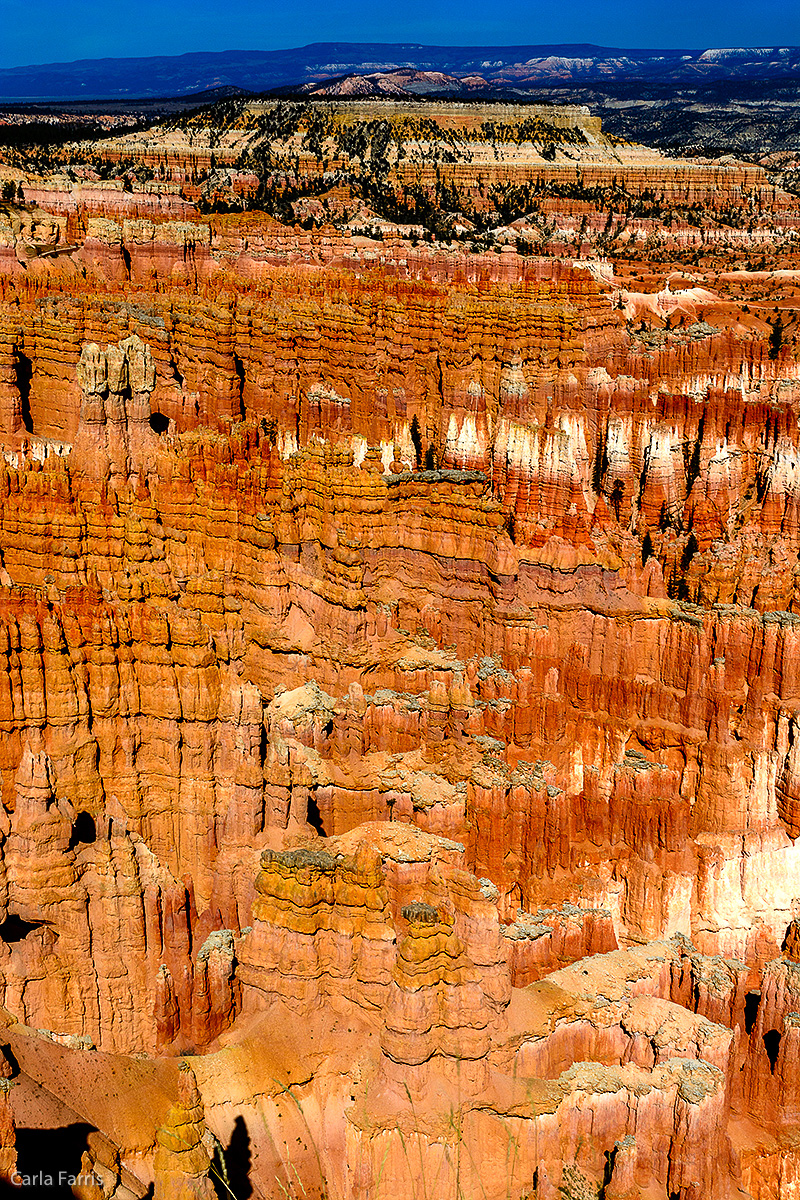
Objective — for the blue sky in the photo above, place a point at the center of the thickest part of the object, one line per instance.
(63, 30)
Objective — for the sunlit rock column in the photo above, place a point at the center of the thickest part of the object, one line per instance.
(90, 449)
(182, 1160)
(142, 440)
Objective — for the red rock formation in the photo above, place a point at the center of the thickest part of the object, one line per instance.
(435, 1006)
(182, 1160)
(541, 942)
(8, 1138)
(319, 923)
(388, 635)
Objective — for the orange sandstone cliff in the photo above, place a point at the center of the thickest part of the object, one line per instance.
(399, 696)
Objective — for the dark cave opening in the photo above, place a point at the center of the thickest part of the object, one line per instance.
(416, 438)
(751, 1002)
(238, 368)
(84, 831)
(159, 423)
(772, 1044)
(24, 371)
(314, 817)
(14, 929)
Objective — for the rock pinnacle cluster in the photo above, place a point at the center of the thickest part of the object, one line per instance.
(399, 662)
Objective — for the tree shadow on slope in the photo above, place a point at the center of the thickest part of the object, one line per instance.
(234, 1181)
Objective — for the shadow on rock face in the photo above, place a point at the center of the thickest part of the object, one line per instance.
(47, 1159)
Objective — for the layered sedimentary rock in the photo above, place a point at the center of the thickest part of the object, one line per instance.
(182, 1161)
(398, 697)
(472, 148)
(492, 1088)
(210, 622)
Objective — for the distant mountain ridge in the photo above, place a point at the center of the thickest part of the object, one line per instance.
(517, 68)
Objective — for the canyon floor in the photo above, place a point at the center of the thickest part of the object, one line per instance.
(399, 661)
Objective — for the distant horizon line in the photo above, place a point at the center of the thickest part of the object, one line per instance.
(411, 45)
